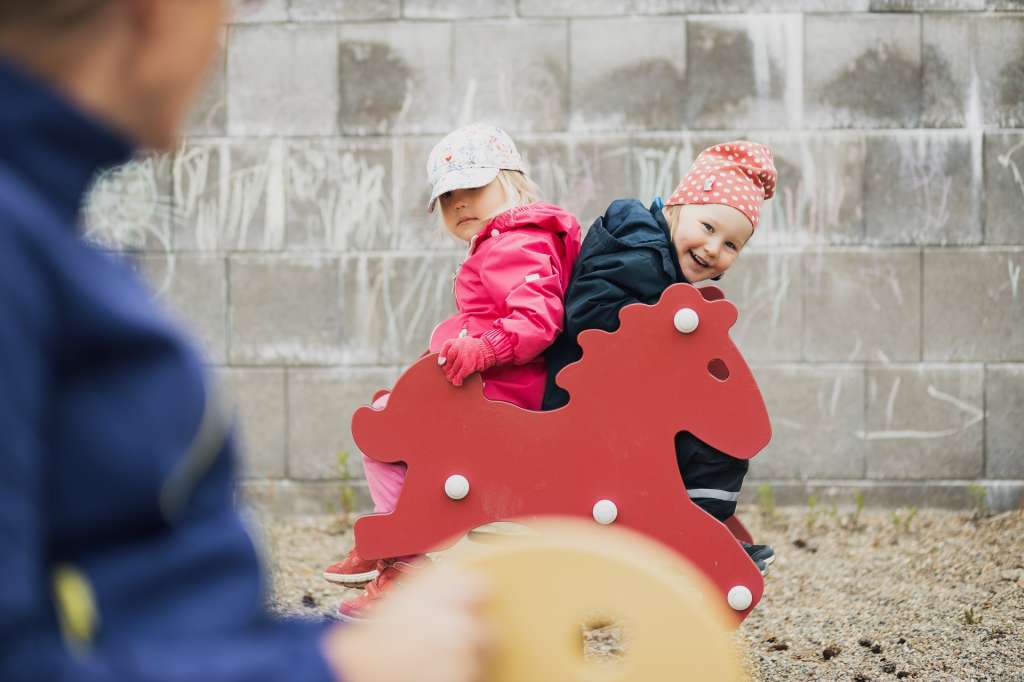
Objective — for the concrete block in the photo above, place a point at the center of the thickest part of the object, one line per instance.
(131, 206)
(343, 10)
(1004, 421)
(230, 196)
(816, 414)
(1000, 69)
(641, 88)
(258, 11)
(923, 187)
(395, 78)
(1004, 187)
(257, 397)
(194, 288)
(209, 113)
(282, 80)
(392, 304)
(972, 75)
(458, 9)
(515, 75)
(925, 422)
(819, 198)
(341, 196)
(415, 229)
(768, 289)
(862, 306)
(973, 308)
(583, 174)
(862, 71)
(320, 407)
(743, 71)
(285, 310)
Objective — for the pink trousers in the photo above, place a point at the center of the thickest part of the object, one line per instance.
(384, 479)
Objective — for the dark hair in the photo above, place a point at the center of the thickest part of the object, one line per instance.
(50, 13)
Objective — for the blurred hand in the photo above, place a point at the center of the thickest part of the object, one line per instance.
(429, 630)
(464, 356)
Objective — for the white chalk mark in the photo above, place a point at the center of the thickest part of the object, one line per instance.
(975, 415)
(855, 353)
(1014, 271)
(837, 388)
(789, 423)
(890, 404)
(1006, 161)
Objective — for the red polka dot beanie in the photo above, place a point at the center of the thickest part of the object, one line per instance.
(740, 174)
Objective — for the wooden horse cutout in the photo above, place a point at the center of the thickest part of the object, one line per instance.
(609, 454)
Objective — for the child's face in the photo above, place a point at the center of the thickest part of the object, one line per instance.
(708, 239)
(465, 211)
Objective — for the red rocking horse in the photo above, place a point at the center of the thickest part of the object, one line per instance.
(608, 454)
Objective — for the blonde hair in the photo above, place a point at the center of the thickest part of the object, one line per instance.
(519, 190)
(672, 217)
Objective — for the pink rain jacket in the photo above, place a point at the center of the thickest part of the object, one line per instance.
(509, 292)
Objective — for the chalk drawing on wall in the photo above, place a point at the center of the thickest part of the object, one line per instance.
(339, 199)
(230, 196)
(967, 413)
(130, 208)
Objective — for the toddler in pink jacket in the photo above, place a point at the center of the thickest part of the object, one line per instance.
(508, 293)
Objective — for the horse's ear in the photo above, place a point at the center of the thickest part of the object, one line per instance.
(725, 311)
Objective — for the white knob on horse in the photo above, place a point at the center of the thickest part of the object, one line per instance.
(456, 487)
(686, 320)
(605, 512)
(740, 598)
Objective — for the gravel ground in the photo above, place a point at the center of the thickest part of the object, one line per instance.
(879, 595)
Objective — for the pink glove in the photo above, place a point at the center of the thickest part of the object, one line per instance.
(461, 357)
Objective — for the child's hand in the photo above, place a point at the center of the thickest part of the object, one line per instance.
(431, 630)
(461, 357)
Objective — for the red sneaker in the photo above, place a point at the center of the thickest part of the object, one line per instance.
(354, 570)
(391, 571)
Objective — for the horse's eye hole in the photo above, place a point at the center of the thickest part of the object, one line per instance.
(718, 369)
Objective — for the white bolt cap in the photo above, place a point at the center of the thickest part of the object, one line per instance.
(686, 320)
(605, 512)
(456, 487)
(740, 598)
(495, 233)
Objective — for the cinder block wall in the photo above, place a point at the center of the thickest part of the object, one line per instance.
(881, 301)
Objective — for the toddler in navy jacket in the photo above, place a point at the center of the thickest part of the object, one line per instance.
(634, 252)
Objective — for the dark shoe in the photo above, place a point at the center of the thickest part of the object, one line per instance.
(761, 555)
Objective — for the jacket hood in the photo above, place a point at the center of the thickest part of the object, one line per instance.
(627, 225)
(538, 216)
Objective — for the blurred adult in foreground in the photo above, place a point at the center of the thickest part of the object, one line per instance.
(121, 554)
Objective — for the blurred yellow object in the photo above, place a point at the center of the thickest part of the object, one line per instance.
(76, 606)
(548, 583)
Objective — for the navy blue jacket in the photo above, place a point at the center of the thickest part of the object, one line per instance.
(121, 554)
(627, 257)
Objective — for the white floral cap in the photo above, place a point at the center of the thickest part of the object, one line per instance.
(470, 157)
